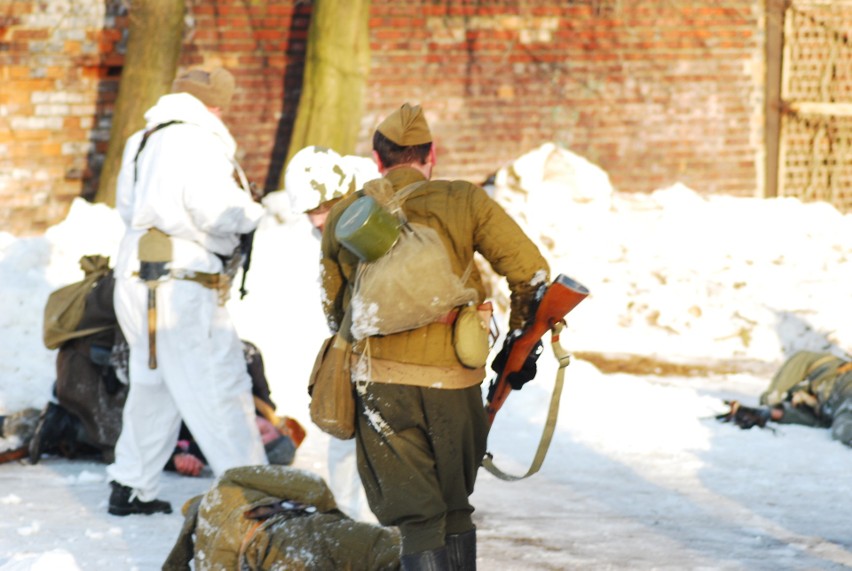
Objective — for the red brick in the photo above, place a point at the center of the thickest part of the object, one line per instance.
(623, 72)
(28, 34)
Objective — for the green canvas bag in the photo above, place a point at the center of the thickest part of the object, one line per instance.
(65, 307)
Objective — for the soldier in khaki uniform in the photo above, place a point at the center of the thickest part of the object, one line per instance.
(421, 427)
(814, 389)
(810, 388)
(257, 518)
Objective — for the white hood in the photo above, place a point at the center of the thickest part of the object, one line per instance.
(183, 183)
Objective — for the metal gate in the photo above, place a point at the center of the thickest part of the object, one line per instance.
(815, 154)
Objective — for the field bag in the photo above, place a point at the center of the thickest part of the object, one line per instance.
(65, 307)
(331, 390)
(410, 286)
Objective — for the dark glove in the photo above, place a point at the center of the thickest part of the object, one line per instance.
(743, 416)
(527, 372)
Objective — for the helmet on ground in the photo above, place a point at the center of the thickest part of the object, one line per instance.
(314, 176)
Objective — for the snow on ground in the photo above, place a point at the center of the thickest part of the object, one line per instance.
(639, 475)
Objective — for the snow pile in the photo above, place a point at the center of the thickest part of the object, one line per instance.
(682, 276)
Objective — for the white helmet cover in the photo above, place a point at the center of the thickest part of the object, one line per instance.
(315, 175)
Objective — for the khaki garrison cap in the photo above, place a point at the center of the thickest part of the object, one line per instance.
(214, 88)
(406, 126)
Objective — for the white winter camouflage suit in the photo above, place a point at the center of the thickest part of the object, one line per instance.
(185, 187)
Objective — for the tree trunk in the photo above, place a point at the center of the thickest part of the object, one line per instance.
(337, 61)
(153, 47)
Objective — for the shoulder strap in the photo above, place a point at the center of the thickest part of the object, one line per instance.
(400, 196)
(144, 142)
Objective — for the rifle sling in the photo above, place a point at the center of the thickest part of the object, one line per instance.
(564, 358)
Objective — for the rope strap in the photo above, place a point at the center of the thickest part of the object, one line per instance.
(564, 358)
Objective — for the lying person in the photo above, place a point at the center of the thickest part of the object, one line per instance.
(810, 388)
(83, 427)
(274, 517)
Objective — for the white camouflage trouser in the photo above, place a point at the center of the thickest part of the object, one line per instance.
(201, 377)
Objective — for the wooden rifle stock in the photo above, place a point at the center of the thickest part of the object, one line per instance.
(13, 454)
(563, 295)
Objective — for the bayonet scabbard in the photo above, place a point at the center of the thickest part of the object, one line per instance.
(152, 325)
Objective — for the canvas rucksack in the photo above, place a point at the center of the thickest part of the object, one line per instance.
(66, 307)
(410, 285)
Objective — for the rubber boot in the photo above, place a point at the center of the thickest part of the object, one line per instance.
(461, 548)
(429, 560)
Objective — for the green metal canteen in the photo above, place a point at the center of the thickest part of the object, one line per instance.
(367, 229)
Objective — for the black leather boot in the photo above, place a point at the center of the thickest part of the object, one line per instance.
(50, 430)
(461, 548)
(120, 503)
(429, 560)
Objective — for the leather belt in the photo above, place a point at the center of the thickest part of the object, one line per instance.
(220, 282)
(450, 317)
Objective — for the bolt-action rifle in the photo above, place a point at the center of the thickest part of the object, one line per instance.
(563, 295)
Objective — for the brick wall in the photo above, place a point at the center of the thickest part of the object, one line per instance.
(654, 92)
(58, 71)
